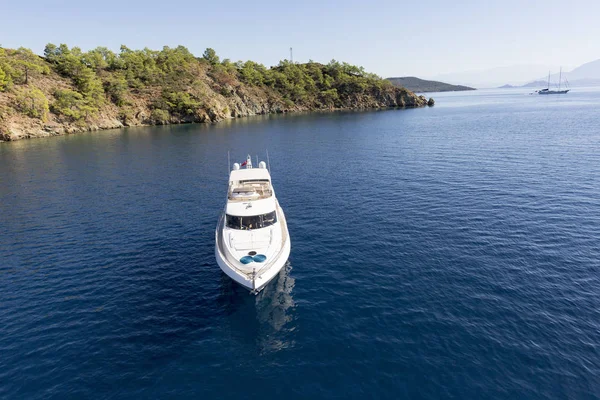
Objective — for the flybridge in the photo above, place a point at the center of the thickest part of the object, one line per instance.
(250, 190)
(249, 184)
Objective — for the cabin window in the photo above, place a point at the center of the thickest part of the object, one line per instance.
(251, 221)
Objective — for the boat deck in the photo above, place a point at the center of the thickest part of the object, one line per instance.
(250, 271)
(249, 190)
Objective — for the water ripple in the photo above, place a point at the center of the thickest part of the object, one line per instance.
(441, 253)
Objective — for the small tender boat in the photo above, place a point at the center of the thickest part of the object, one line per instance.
(252, 243)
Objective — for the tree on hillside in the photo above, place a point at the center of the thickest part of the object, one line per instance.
(33, 103)
(50, 52)
(117, 88)
(69, 104)
(78, 66)
(211, 56)
(100, 58)
(90, 86)
(178, 66)
(3, 79)
(25, 63)
(329, 97)
(139, 66)
(253, 73)
(5, 69)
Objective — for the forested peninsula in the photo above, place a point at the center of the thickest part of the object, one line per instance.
(424, 86)
(67, 90)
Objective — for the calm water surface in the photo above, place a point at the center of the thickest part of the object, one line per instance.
(447, 252)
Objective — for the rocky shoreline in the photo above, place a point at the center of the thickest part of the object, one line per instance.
(27, 128)
(68, 91)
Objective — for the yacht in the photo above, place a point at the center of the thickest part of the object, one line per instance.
(554, 91)
(252, 243)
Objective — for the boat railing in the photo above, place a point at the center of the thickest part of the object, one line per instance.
(222, 252)
(284, 239)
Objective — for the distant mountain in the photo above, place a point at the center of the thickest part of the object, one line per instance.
(535, 84)
(494, 77)
(587, 74)
(422, 86)
(526, 75)
(586, 71)
(567, 82)
(585, 82)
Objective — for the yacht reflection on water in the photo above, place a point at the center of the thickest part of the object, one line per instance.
(267, 318)
(274, 303)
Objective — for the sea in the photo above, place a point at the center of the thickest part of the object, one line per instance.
(450, 252)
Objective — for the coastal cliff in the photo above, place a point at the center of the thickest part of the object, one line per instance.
(69, 91)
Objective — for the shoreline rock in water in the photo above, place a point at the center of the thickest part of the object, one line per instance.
(69, 91)
(19, 129)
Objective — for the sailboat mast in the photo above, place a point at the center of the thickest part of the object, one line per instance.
(559, 78)
(548, 80)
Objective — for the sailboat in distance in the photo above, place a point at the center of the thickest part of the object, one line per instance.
(554, 91)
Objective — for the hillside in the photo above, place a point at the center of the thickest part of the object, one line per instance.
(68, 90)
(423, 86)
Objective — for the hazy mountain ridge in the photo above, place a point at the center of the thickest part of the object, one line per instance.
(494, 77)
(525, 76)
(415, 84)
(527, 85)
(587, 74)
(587, 71)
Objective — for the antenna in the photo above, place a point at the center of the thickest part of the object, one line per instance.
(228, 162)
(257, 159)
(291, 55)
(268, 161)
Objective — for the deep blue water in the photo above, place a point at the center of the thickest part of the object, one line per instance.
(446, 252)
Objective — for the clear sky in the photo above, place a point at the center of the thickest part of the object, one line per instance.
(390, 38)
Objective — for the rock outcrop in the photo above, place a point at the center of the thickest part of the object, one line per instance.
(239, 104)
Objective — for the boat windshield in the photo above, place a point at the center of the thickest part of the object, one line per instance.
(251, 221)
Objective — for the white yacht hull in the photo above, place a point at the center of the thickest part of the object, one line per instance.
(254, 276)
(554, 91)
(261, 279)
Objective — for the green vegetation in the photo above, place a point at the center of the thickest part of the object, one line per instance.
(172, 85)
(18, 66)
(32, 102)
(313, 84)
(70, 104)
(211, 56)
(3, 79)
